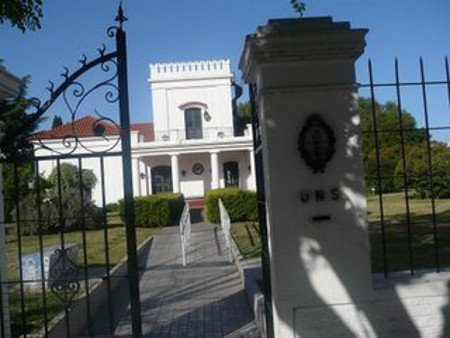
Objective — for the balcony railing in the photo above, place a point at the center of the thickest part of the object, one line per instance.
(180, 135)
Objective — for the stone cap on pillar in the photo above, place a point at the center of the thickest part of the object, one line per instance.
(290, 40)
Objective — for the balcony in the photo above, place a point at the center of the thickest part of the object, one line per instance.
(204, 134)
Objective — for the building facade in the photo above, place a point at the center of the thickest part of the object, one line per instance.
(190, 147)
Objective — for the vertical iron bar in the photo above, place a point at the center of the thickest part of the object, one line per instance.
(105, 237)
(19, 243)
(447, 73)
(2, 314)
(430, 166)
(3, 279)
(261, 199)
(85, 256)
(405, 178)
(128, 184)
(41, 246)
(379, 177)
(61, 236)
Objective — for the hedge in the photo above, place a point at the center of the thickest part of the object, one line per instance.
(156, 210)
(240, 204)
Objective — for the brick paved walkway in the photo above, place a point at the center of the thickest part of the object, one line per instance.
(204, 299)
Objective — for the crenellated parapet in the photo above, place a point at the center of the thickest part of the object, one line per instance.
(189, 70)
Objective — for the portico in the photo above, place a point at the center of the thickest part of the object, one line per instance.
(193, 171)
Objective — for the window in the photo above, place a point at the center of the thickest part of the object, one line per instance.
(193, 123)
(161, 179)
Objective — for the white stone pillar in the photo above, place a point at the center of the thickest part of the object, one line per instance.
(175, 173)
(214, 170)
(252, 181)
(313, 174)
(3, 275)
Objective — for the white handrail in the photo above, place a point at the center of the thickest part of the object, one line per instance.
(226, 228)
(185, 232)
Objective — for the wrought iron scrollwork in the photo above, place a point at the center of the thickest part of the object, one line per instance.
(63, 281)
(74, 93)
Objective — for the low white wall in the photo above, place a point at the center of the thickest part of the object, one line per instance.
(401, 307)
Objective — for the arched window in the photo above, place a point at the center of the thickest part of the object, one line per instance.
(193, 123)
(161, 179)
(231, 174)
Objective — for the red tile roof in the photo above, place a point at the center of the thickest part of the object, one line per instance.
(90, 126)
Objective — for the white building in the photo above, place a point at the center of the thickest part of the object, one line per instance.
(190, 147)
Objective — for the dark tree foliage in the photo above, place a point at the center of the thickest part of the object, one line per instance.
(23, 14)
(62, 206)
(389, 125)
(423, 181)
(57, 121)
(16, 125)
(298, 6)
(244, 111)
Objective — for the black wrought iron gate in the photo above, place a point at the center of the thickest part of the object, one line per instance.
(261, 199)
(52, 219)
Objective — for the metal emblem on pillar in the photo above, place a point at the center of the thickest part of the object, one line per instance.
(316, 143)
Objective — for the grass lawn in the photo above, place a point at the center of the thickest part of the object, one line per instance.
(96, 257)
(246, 236)
(396, 233)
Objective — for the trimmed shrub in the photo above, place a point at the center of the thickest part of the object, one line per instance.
(156, 210)
(240, 204)
(112, 207)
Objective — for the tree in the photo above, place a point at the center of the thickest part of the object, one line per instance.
(69, 179)
(298, 6)
(389, 141)
(23, 14)
(57, 121)
(418, 174)
(16, 125)
(62, 205)
(244, 112)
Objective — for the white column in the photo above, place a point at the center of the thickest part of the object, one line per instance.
(175, 173)
(149, 179)
(252, 185)
(136, 178)
(214, 170)
(3, 278)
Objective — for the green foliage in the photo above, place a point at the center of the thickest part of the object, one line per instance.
(388, 122)
(70, 180)
(240, 204)
(50, 217)
(24, 175)
(298, 6)
(156, 210)
(418, 174)
(244, 112)
(16, 125)
(63, 207)
(112, 207)
(57, 121)
(23, 14)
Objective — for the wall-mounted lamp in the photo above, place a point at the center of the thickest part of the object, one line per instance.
(183, 172)
(142, 176)
(207, 116)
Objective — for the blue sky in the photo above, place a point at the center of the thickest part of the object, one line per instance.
(186, 30)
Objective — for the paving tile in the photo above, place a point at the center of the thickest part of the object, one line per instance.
(204, 299)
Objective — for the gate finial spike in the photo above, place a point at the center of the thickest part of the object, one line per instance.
(121, 18)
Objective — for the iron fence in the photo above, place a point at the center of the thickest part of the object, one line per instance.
(61, 278)
(405, 136)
